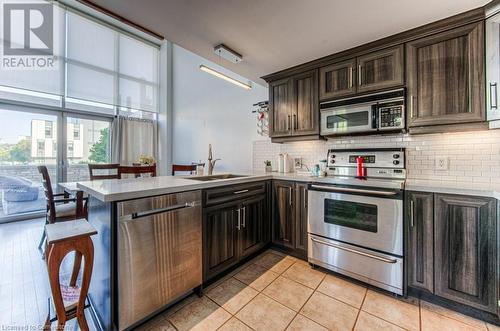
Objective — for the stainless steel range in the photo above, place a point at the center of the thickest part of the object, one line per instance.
(355, 224)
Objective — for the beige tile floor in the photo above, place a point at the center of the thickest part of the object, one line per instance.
(278, 292)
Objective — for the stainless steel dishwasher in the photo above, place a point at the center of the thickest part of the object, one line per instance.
(159, 253)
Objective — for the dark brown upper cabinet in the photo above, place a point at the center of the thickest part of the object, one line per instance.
(305, 112)
(370, 72)
(380, 70)
(445, 77)
(280, 105)
(337, 80)
(465, 248)
(294, 106)
(420, 220)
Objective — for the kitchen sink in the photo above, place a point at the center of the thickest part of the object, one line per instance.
(215, 177)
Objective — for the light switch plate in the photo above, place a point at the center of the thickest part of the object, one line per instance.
(442, 163)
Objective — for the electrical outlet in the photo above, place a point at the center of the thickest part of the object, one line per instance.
(442, 163)
(297, 162)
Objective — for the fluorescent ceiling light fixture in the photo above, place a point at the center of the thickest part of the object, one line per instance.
(225, 77)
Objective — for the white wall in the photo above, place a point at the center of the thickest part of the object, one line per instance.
(207, 109)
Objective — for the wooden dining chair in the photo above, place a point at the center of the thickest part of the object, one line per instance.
(183, 167)
(60, 207)
(94, 169)
(137, 171)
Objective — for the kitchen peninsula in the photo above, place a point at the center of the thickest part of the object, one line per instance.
(160, 238)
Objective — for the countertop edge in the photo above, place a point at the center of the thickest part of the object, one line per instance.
(411, 185)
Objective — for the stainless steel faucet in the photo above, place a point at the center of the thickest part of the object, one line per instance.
(211, 164)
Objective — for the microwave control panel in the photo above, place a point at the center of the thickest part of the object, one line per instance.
(391, 117)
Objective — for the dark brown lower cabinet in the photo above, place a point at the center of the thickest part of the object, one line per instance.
(301, 217)
(290, 216)
(220, 236)
(233, 231)
(253, 227)
(465, 250)
(283, 213)
(453, 248)
(420, 213)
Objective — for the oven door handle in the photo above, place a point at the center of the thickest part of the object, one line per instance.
(353, 190)
(372, 256)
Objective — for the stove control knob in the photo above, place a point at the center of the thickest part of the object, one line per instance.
(396, 156)
(395, 162)
(332, 161)
(332, 156)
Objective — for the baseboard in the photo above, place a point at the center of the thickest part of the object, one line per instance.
(458, 307)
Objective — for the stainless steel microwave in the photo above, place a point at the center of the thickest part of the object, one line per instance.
(383, 111)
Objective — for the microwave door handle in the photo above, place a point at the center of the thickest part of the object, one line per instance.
(375, 117)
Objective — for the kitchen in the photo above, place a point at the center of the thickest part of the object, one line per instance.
(370, 201)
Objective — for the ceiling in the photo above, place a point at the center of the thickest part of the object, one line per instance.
(277, 34)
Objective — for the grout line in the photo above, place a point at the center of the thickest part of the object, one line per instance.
(420, 314)
(359, 310)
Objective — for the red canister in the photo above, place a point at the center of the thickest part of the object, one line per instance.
(360, 172)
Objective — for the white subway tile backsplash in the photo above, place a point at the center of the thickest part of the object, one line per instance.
(473, 156)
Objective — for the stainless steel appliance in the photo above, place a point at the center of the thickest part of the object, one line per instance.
(355, 225)
(383, 111)
(159, 253)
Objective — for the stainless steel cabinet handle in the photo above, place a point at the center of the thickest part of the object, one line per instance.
(495, 105)
(412, 211)
(244, 217)
(295, 122)
(359, 75)
(411, 105)
(372, 256)
(238, 226)
(239, 192)
(290, 196)
(353, 190)
(350, 77)
(289, 123)
(163, 210)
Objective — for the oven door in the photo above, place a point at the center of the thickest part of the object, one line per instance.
(366, 217)
(348, 119)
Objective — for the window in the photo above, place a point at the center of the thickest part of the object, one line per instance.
(48, 129)
(70, 149)
(99, 68)
(76, 132)
(40, 148)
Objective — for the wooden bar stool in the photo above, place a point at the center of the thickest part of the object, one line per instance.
(69, 300)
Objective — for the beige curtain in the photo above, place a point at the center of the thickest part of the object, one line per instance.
(131, 138)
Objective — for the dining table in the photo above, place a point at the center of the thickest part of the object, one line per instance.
(71, 189)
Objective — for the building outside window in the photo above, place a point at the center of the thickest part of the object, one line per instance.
(48, 129)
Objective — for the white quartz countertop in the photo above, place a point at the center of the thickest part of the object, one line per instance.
(450, 187)
(133, 188)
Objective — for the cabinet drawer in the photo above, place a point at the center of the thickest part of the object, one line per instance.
(234, 192)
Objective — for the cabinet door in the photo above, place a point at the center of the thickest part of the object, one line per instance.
(445, 76)
(283, 216)
(492, 67)
(420, 221)
(305, 116)
(220, 235)
(301, 216)
(252, 228)
(465, 250)
(380, 70)
(280, 108)
(337, 80)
